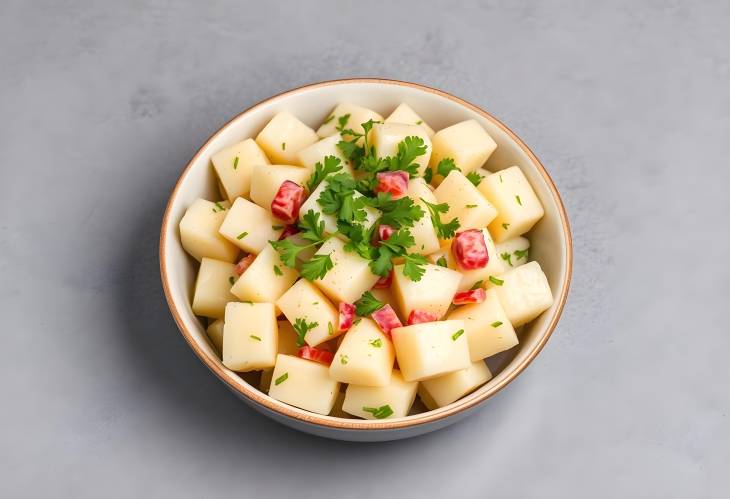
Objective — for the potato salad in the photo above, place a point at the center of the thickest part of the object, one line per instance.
(362, 265)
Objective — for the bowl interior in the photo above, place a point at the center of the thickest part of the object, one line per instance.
(550, 238)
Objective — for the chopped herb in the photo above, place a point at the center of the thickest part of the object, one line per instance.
(241, 235)
(277, 227)
(315, 303)
(218, 207)
(367, 304)
(456, 335)
(446, 166)
(496, 323)
(232, 280)
(342, 122)
(500, 178)
(471, 206)
(317, 267)
(505, 226)
(313, 231)
(332, 164)
(283, 146)
(277, 270)
(474, 178)
(381, 412)
(281, 379)
(254, 337)
(377, 343)
(495, 281)
(519, 201)
(414, 266)
(519, 254)
(356, 321)
(302, 327)
(329, 118)
(235, 162)
(428, 175)
(444, 230)
(330, 329)
(477, 285)
(441, 262)
(343, 359)
(507, 257)
(419, 122)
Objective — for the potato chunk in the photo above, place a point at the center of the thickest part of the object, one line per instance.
(250, 227)
(477, 277)
(305, 301)
(266, 279)
(330, 222)
(234, 166)
(419, 190)
(430, 349)
(358, 116)
(215, 334)
(350, 276)
(524, 293)
(250, 336)
(304, 384)
(287, 346)
(516, 202)
(385, 137)
(451, 387)
(424, 235)
(310, 156)
(405, 114)
(393, 400)
(268, 178)
(199, 231)
(365, 356)
(433, 293)
(467, 143)
(283, 137)
(488, 329)
(213, 288)
(465, 202)
(513, 252)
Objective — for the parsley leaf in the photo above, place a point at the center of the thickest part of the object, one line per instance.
(382, 264)
(413, 268)
(332, 164)
(312, 227)
(342, 122)
(446, 166)
(381, 412)
(317, 267)
(476, 285)
(288, 251)
(428, 175)
(441, 262)
(408, 150)
(474, 178)
(301, 326)
(367, 304)
(519, 254)
(377, 343)
(397, 213)
(277, 270)
(444, 230)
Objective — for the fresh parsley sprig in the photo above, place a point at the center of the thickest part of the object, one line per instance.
(446, 166)
(332, 164)
(445, 230)
(367, 304)
(397, 213)
(302, 327)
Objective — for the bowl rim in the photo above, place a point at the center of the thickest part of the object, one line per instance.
(254, 395)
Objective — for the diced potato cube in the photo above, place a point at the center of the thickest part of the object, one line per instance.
(424, 235)
(199, 231)
(213, 288)
(358, 116)
(488, 329)
(234, 166)
(305, 301)
(405, 114)
(433, 293)
(516, 202)
(250, 336)
(350, 276)
(467, 143)
(268, 178)
(250, 227)
(393, 400)
(513, 252)
(266, 279)
(451, 387)
(478, 277)
(287, 346)
(430, 349)
(330, 222)
(465, 202)
(304, 384)
(419, 190)
(310, 156)
(524, 293)
(385, 137)
(283, 137)
(365, 356)
(215, 334)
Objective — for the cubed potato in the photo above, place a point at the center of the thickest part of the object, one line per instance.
(287, 346)
(424, 236)
(215, 334)
(250, 227)
(266, 279)
(433, 293)
(517, 205)
(465, 202)
(358, 116)
(477, 277)
(268, 178)
(305, 301)
(213, 288)
(350, 276)
(426, 398)
(310, 156)
(513, 252)
(234, 166)
(199, 231)
(393, 400)
(430, 349)
(283, 137)
(304, 384)
(419, 190)
(330, 222)
(451, 387)
(467, 143)
(385, 137)
(488, 329)
(365, 356)
(250, 336)
(405, 114)
(524, 293)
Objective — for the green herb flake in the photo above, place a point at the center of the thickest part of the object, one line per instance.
(495, 281)
(519, 201)
(342, 122)
(283, 146)
(367, 304)
(441, 262)
(281, 379)
(496, 323)
(507, 257)
(278, 271)
(419, 122)
(474, 178)
(505, 226)
(254, 337)
(446, 166)
(519, 254)
(456, 335)
(477, 285)
(500, 178)
(301, 326)
(344, 359)
(218, 207)
(235, 162)
(330, 329)
(471, 206)
(377, 343)
(381, 412)
(232, 280)
(241, 235)
(445, 230)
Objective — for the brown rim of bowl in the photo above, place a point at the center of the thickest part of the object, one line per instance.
(463, 404)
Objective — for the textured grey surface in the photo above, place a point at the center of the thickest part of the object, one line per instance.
(628, 106)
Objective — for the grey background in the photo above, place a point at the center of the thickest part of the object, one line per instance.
(627, 104)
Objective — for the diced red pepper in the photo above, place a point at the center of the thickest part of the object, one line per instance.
(472, 296)
(384, 282)
(384, 232)
(289, 230)
(287, 201)
(316, 354)
(347, 314)
(396, 183)
(243, 264)
(419, 316)
(470, 249)
(386, 319)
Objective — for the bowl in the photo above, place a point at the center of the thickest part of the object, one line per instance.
(550, 245)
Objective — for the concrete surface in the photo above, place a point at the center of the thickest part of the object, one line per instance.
(628, 105)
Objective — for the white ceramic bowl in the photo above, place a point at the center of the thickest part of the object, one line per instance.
(550, 238)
